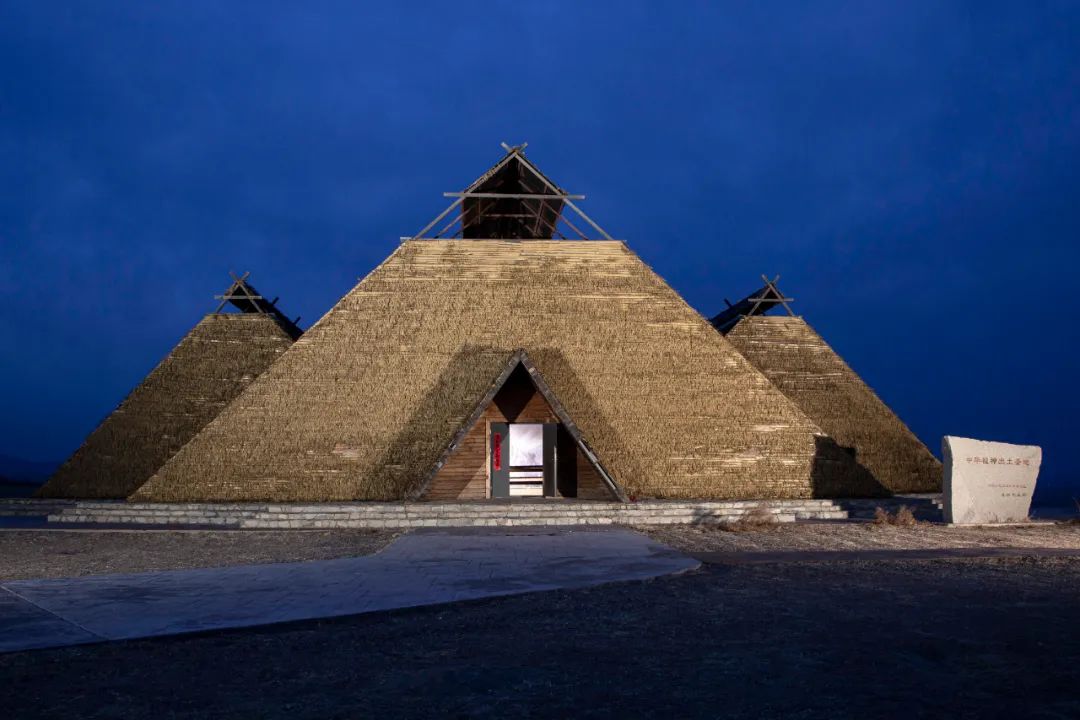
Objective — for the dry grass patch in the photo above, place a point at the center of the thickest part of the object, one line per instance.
(1073, 521)
(757, 519)
(903, 517)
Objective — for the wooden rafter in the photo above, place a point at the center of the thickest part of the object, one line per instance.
(540, 202)
(758, 302)
(244, 297)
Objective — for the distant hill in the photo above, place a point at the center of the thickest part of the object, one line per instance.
(18, 470)
(17, 489)
(1056, 495)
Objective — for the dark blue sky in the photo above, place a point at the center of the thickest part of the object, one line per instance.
(909, 168)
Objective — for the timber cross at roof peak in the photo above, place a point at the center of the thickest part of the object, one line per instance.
(244, 297)
(758, 302)
(513, 200)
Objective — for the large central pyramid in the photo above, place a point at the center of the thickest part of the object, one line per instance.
(376, 400)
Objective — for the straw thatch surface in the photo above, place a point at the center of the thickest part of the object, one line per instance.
(363, 405)
(203, 373)
(808, 371)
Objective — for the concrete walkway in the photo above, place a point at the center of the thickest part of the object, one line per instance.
(763, 557)
(422, 568)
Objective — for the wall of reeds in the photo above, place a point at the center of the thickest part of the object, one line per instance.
(363, 405)
(830, 393)
(209, 368)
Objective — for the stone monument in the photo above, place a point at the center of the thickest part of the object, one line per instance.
(988, 482)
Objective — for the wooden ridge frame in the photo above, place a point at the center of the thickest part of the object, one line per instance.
(245, 298)
(758, 302)
(520, 357)
(546, 204)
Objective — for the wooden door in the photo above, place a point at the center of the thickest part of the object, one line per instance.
(499, 459)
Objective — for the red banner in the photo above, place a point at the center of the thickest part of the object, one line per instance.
(496, 451)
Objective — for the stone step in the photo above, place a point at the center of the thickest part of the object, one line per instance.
(268, 522)
(30, 510)
(445, 514)
(471, 522)
(491, 508)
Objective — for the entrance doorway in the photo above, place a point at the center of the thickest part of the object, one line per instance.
(532, 460)
(526, 459)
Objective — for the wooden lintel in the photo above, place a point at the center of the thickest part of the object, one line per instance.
(512, 196)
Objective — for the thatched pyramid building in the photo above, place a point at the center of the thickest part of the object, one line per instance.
(210, 366)
(806, 369)
(495, 358)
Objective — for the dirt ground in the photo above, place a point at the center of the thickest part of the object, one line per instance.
(28, 554)
(956, 638)
(862, 536)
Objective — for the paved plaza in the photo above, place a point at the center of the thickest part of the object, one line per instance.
(421, 568)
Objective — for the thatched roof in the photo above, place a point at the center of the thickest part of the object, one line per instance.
(807, 370)
(213, 363)
(366, 402)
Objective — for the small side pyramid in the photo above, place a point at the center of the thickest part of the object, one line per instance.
(806, 369)
(366, 403)
(210, 366)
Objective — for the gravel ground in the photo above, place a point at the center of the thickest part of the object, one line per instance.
(862, 536)
(960, 639)
(26, 554)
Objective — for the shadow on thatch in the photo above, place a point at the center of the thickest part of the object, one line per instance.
(837, 472)
(554, 364)
(809, 371)
(438, 416)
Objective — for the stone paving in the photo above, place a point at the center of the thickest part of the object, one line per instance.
(422, 568)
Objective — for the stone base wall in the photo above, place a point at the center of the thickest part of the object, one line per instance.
(436, 514)
(32, 507)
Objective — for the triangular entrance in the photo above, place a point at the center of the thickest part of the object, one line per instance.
(479, 454)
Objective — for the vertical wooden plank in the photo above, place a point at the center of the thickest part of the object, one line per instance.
(499, 460)
(566, 476)
(551, 435)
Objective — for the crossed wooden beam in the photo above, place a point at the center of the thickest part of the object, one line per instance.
(247, 299)
(535, 214)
